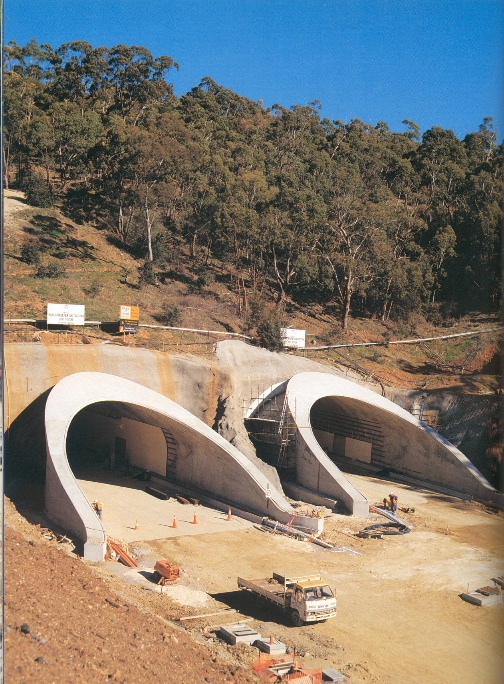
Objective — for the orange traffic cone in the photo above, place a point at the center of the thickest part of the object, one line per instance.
(174, 522)
(195, 520)
(137, 526)
(230, 517)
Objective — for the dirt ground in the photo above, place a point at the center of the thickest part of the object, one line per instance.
(400, 618)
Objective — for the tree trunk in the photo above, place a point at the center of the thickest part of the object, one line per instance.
(346, 312)
(387, 304)
(6, 166)
(347, 300)
(149, 230)
(192, 246)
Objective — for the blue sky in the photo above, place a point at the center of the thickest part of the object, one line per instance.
(437, 62)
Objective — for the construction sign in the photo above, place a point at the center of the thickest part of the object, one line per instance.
(65, 314)
(292, 338)
(129, 313)
(128, 319)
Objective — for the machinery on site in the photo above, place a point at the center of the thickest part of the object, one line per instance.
(304, 599)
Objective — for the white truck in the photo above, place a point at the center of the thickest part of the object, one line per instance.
(305, 599)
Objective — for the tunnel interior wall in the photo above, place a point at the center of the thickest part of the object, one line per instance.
(403, 447)
(95, 439)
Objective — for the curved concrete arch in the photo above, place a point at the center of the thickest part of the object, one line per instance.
(208, 461)
(410, 446)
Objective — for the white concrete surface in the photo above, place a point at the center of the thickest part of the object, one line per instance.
(411, 447)
(206, 460)
(126, 503)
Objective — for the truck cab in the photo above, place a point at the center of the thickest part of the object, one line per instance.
(304, 599)
(311, 601)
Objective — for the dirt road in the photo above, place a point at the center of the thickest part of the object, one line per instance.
(400, 618)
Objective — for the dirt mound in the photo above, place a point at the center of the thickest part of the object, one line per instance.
(64, 623)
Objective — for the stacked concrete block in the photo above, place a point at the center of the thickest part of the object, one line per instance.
(271, 645)
(332, 675)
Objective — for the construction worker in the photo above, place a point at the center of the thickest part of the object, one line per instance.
(393, 503)
(98, 507)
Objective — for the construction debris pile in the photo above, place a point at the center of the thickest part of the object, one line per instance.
(276, 662)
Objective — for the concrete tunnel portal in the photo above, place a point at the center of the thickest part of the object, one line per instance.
(324, 424)
(97, 419)
(100, 419)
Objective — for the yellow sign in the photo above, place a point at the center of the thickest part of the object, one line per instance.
(129, 313)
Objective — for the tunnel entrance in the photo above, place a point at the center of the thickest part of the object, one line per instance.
(350, 435)
(85, 414)
(116, 436)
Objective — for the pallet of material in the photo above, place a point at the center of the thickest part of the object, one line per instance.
(123, 556)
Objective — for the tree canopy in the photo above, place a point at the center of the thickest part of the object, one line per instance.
(352, 216)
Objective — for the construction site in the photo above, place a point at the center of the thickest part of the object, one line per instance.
(184, 506)
(168, 485)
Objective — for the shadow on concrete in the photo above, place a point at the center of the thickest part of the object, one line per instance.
(129, 477)
(25, 457)
(150, 576)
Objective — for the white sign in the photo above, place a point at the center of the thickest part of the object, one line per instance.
(65, 314)
(293, 338)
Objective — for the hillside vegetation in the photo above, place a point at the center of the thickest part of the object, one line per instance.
(94, 272)
(267, 212)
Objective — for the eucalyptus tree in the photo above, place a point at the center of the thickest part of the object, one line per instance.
(25, 75)
(476, 270)
(142, 172)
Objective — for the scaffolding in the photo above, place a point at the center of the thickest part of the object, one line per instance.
(273, 430)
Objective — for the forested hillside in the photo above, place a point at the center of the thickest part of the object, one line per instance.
(367, 221)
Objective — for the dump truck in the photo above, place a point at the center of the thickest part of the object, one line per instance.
(304, 599)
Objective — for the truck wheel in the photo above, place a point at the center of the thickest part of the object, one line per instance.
(296, 618)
